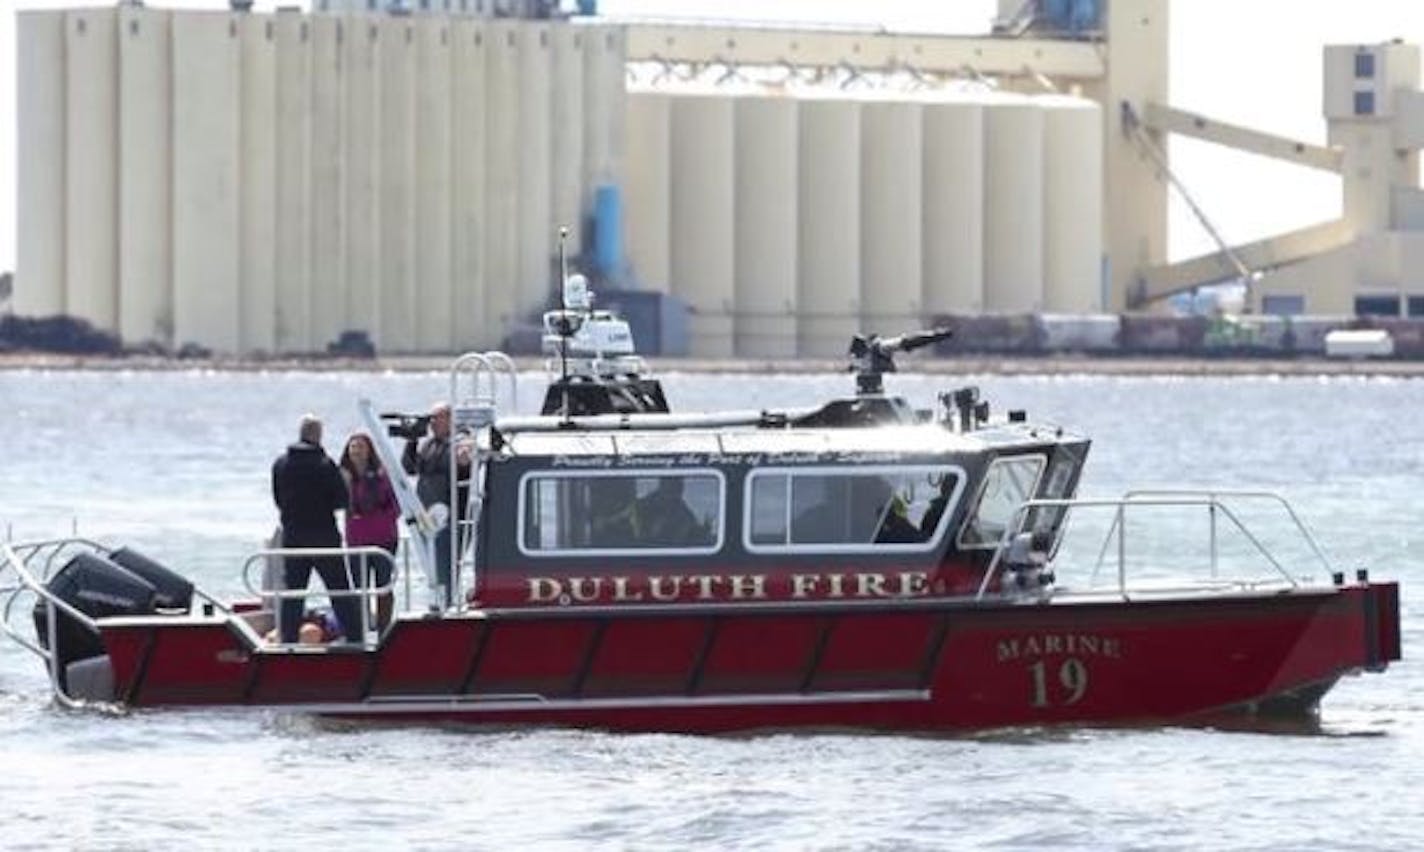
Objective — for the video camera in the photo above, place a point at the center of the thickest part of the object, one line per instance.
(412, 427)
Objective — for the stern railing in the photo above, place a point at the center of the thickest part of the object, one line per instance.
(26, 581)
(1213, 501)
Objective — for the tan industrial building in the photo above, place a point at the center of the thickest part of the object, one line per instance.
(256, 183)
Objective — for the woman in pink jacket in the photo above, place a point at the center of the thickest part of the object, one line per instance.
(371, 516)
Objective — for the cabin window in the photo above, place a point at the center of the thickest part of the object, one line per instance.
(838, 510)
(633, 512)
(1060, 475)
(1007, 484)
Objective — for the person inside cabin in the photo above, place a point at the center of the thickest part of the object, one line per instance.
(308, 490)
(895, 525)
(662, 519)
(935, 510)
(371, 519)
(610, 511)
(429, 461)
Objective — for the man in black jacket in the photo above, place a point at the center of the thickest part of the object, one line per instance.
(308, 490)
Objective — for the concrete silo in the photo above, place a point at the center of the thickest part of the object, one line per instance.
(891, 184)
(390, 303)
(828, 256)
(1072, 205)
(468, 304)
(953, 203)
(1013, 205)
(536, 240)
(294, 221)
(765, 231)
(257, 284)
(207, 85)
(648, 186)
(604, 97)
(566, 130)
(39, 143)
(702, 236)
(91, 166)
(434, 117)
(502, 188)
(326, 302)
(357, 307)
(145, 131)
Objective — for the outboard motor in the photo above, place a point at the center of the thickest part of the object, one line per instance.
(175, 592)
(98, 588)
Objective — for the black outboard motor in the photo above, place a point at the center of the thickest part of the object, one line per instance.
(98, 588)
(175, 591)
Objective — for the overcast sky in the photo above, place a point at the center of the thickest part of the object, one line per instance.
(1254, 62)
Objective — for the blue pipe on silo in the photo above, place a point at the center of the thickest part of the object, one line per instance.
(608, 231)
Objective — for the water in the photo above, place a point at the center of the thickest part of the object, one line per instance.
(176, 465)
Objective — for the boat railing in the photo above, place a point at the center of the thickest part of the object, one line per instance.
(16, 560)
(1217, 494)
(1215, 503)
(266, 584)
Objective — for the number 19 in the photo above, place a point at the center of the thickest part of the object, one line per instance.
(1072, 675)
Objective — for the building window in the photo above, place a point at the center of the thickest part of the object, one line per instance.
(1364, 103)
(1364, 66)
(634, 513)
(823, 510)
(1283, 306)
(1416, 306)
(1377, 306)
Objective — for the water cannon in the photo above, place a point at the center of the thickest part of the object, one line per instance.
(872, 356)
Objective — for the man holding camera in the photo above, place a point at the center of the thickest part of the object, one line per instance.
(429, 461)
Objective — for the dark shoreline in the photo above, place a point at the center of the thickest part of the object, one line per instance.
(1047, 365)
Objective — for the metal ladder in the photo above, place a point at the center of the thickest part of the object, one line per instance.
(474, 403)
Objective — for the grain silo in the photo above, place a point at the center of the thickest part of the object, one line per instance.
(364, 138)
(828, 223)
(765, 197)
(434, 148)
(1013, 205)
(91, 178)
(648, 186)
(953, 203)
(469, 326)
(1072, 205)
(326, 305)
(891, 184)
(604, 48)
(502, 168)
(701, 260)
(566, 135)
(206, 172)
(257, 170)
(292, 316)
(534, 283)
(392, 297)
(145, 254)
(40, 244)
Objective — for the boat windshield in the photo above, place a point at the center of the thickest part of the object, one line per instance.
(1009, 482)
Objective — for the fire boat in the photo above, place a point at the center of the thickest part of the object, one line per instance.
(858, 564)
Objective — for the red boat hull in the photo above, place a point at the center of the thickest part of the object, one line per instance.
(927, 665)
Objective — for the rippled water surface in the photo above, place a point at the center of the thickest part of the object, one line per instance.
(176, 465)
